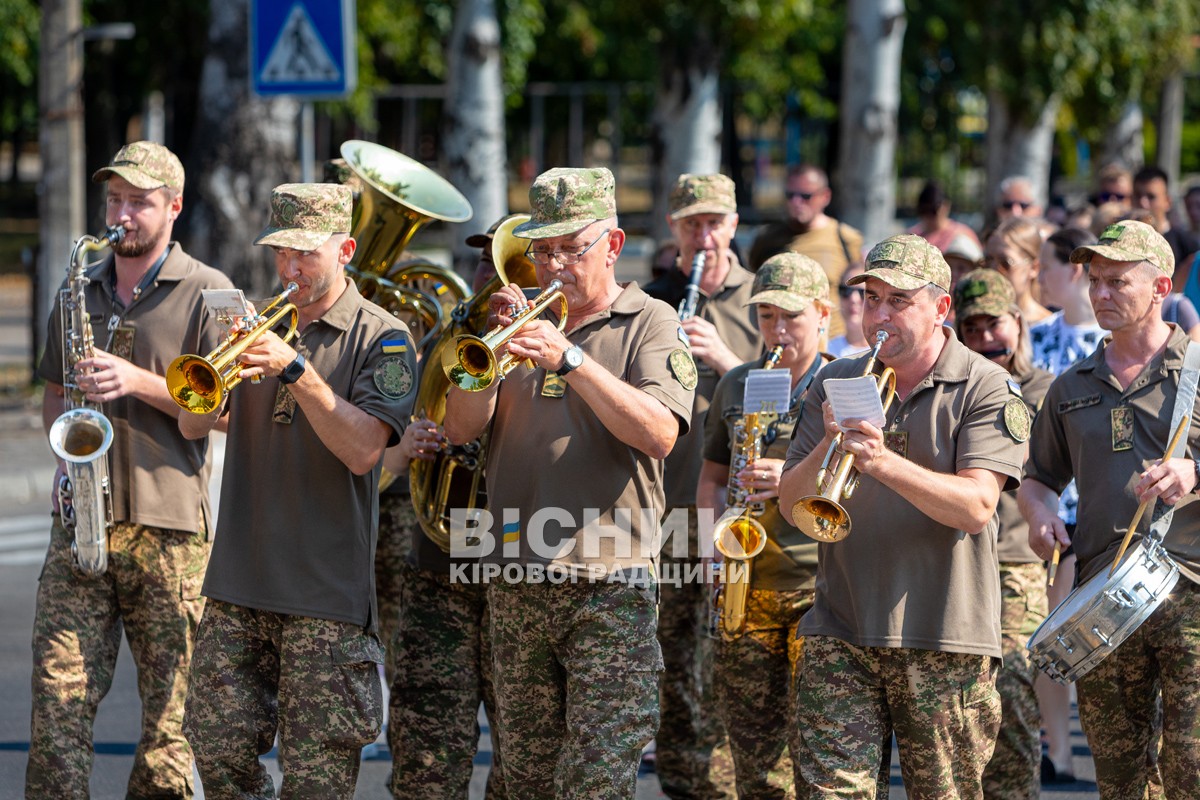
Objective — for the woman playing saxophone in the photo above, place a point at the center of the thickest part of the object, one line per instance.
(754, 666)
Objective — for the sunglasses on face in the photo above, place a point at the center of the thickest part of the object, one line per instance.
(805, 196)
(1022, 204)
(846, 292)
(1112, 197)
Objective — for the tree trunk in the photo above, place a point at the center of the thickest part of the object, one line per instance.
(1123, 143)
(474, 124)
(687, 123)
(870, 99)
(1018, 148)
(242, 148)
(1170, 128)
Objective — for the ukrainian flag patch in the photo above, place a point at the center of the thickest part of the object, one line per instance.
(512, 532)
(395, 345)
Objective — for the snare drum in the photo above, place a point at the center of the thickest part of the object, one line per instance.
(1102, 613)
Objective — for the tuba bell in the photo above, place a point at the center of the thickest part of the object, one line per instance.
(821, 515)
(454, 479)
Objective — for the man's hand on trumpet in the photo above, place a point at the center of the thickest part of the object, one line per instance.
(266, 356)
(860, 439)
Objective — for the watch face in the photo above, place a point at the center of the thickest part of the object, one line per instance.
(574, 357)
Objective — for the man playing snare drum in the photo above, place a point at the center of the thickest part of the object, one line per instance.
(1108, 426)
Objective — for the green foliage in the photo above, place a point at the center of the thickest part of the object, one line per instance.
(18, 66)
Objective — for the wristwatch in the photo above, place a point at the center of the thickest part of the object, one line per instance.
(572, 358)
(292, 372)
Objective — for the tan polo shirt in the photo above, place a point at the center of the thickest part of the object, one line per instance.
(737, 325)
(1074, 437)
(297, 528)
(561, 488)
(900, 579)
(787, 561)
(1014, 530)
(159, 478)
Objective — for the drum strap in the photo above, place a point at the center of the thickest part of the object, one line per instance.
(1185, 400)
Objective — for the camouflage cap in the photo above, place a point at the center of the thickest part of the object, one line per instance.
(564, 200)
(305, 215)
(702, 194)
(146, 165)
(1130, 241)
(983, 291)
(906, 261)
(790, 281)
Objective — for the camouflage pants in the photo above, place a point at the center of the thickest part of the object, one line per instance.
(943, 707)
(314, 681)
(576, 676)
(397, 527)
(692, 756)
(754, 691)
(1118, 703)
(152, 588)
(1014, 770)
(443, 659)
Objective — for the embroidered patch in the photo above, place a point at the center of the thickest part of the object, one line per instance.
(683, 368)
(285, 406)
(393, 377)
(1078, 402)
(1122, 428)
(897, 442)
(553, 386)
(683, 337)
(1014, 388)
(392, 346)
(122, 342)
(1016, 419)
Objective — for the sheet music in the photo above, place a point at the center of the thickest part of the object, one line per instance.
(768, 391)
(855, 398)
(226, 305)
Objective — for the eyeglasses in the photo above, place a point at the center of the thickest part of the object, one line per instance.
(1023, 204)
(1112, 197)
(992, 262)
(805, 196)
(846, 292)
(564, 257)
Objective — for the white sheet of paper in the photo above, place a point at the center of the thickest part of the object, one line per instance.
(768, 391)
(855, 398)
(226, 305)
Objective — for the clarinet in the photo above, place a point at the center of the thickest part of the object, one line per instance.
(691, 297)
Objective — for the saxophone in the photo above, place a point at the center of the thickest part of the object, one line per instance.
(82, 435)
(737, 534)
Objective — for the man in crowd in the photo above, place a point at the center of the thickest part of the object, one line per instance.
(574, 478)
(1016, 198)
(1110, 432)
(905, 627)
(1151, 192)
(147, 303)
(288, 642)
(691, 759)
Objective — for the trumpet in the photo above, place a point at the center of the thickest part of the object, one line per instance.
(199, 383)
(820, 515)
(472, 364)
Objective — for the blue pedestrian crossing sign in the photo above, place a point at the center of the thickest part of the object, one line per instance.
(302, 47)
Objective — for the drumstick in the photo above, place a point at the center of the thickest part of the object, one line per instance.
(1054, 564)
(1141, 509)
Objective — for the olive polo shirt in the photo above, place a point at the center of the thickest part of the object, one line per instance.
(901, 579)
(1014, 530)
(1084, 412)
(787, 561)
(562, 489)
(737, 325)
(159, 478)
(297, 528)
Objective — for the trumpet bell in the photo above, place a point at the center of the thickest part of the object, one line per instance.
(195, 384)
(821, 518)
(471, 365)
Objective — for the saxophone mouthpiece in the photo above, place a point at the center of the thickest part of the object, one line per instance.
(113, 235)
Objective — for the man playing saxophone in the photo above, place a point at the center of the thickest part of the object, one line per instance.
(753, 674)
(692, 759)
(905, 626)
(146, 307)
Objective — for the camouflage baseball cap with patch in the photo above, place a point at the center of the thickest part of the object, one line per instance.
(305, 215)
(906, 261)
(790, 281)
(1130, 241)
(146, 165)
(983, 291)
(702, 194)
(565, 200)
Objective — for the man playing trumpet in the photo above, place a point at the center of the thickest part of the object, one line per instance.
(905, 627)
(753, 674)
(574, 483)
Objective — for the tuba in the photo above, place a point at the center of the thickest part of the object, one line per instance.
(737, 535)
(199, 383)
(454, 479)
(394, 197)
(82, 435)
(820, 515)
